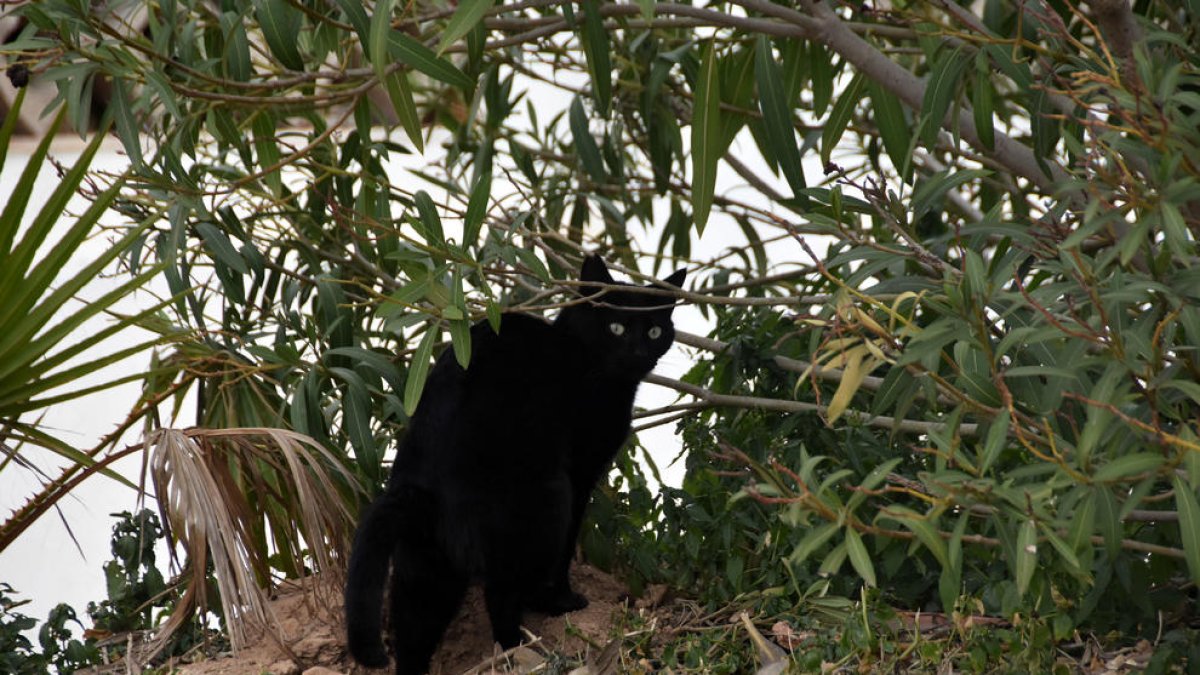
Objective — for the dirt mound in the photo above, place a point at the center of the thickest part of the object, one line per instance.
(313, 642)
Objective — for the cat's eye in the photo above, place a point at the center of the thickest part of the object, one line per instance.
(655, 332)
(617, 329)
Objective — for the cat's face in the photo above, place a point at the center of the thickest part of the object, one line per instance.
(628, 331)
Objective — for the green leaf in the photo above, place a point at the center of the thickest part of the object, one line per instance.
(466, 16)
(1026, 552)
(982, 107)
(894, 130)
(1108, 518)
(1128, 465)
(585, 144)
(839, 119)
(1189, 525)
(706, 125)
(395, 82)
(859, 558)
(353, 9)
(379, 363)
(921, 528)
(411, 52)
(1083, 522)
(813, 540)
(356, 416)
(477, 209)
(944, 81)
(1064, 552)
(280, 24)
(431, 222)
(821, 73)
(777, 116)
(597, 48)
(418, 369)
(126, 123)
(930, 191)
(997, 439)
(6, 132)
(221, 248)
(460, 328)
(460, 337)
(267, 149)
(237, 48)
(401, 96)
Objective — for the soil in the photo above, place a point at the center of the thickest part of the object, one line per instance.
(312, 643)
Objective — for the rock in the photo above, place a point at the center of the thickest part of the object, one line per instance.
(284, 667)
(322, 670)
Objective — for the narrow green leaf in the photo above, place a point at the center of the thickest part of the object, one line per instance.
(401, 96)
(466, 16)
(894, 130)
(126, 123)
(944, 81)
(597, 48)
(477, 209)
(1128, 465)
(777, 116)
(997, 438)
(982, 107)
(1064, 551)
(378, 363)
(411, 52)
(813, 540)
(533, 263)
(930, 191)
(1108, 518)
(221, 248)
(1026, 552)
(18, 198)
(460, 337)
(839, 118)
(737, 93)
(356, 416)
(395, 82)
(820, 59)
(921, 528)
(859, 558)
(706, 125)
(267, 149)
(460, 328)
(237, 48)
(585, 144)
(430, 220)
(353, 9)
(1083, 522)
(1189, 525)
(6, 131)
(494, 314)
(280, 24)
(418, 369)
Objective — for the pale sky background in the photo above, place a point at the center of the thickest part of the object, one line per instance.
(44, 565)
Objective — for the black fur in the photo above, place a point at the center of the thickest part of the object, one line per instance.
(499, 462)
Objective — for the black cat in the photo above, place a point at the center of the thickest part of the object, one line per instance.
(499, 462)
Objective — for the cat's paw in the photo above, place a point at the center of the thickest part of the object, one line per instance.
(559, 602)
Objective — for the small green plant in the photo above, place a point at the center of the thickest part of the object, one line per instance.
(138, 598)
(58, 647)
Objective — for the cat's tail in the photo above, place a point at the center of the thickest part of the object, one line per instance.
(367, 575)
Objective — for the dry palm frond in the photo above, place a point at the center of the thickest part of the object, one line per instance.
(235, 498)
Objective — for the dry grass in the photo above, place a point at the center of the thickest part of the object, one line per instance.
(232, 498)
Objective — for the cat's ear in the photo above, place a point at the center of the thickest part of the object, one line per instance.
(595, 271)
(677, 278)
